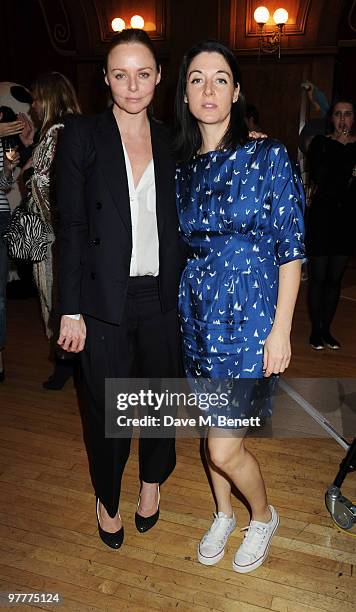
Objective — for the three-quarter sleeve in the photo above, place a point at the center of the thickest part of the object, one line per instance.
(287, 210)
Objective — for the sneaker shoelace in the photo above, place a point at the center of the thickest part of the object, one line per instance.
(254, 538)
(217, 526)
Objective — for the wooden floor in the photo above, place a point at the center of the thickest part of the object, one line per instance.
(48, 536)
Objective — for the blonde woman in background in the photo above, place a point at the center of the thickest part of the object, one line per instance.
(53, 99)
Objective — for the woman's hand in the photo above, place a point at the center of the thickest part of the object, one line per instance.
(72, 334)
(11, 128)
(28, 132)
(257, 135)
(277, 352)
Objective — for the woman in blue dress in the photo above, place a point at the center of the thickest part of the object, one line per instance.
(240, 205)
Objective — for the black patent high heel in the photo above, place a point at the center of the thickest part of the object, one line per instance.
(114, 540)
(144, 523)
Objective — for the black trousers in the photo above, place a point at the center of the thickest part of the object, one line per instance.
(145, 344)
(325, 276)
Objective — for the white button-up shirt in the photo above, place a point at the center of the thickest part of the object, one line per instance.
(144, 256)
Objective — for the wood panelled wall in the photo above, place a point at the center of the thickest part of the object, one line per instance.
(39, 35)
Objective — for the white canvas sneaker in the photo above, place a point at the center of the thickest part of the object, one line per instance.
(211, 547)
(254, 548)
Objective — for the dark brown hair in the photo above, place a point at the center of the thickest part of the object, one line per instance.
(188, 137)
(340, 100)
(132, 35)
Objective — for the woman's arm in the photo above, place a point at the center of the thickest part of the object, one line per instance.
(277, 351)
(287, 227)
(42, 190)
(72, 231)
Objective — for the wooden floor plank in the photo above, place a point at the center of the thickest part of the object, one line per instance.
(101, 561)
(28, 583)
(283, 605)
(48, 532)
(35, 583)
(80, 583)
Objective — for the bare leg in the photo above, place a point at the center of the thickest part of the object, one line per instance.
(111, 525)
(222, 490)
(221, 486)
(148, 499)
(232, 461)
(148, 506)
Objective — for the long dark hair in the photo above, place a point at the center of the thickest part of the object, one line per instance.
(132, 35)
(188, 137)
(339, 100)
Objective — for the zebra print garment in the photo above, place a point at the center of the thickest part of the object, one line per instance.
(27, 236)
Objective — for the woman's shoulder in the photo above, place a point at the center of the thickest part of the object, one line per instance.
(51, 135)
(265, 148)
(79, 128)
(47, 145)
(270, 144)
(55, 128)
(75, 120)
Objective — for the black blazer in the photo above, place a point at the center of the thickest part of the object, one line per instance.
(94, 231)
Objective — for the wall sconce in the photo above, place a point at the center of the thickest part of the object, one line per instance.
(270, 43)
(137, 22)
(119, 24)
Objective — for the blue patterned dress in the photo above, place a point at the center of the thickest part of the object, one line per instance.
(241, 217)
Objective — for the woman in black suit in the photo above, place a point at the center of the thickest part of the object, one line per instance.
(120, 265)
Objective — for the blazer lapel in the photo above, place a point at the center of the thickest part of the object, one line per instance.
(112, 163)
